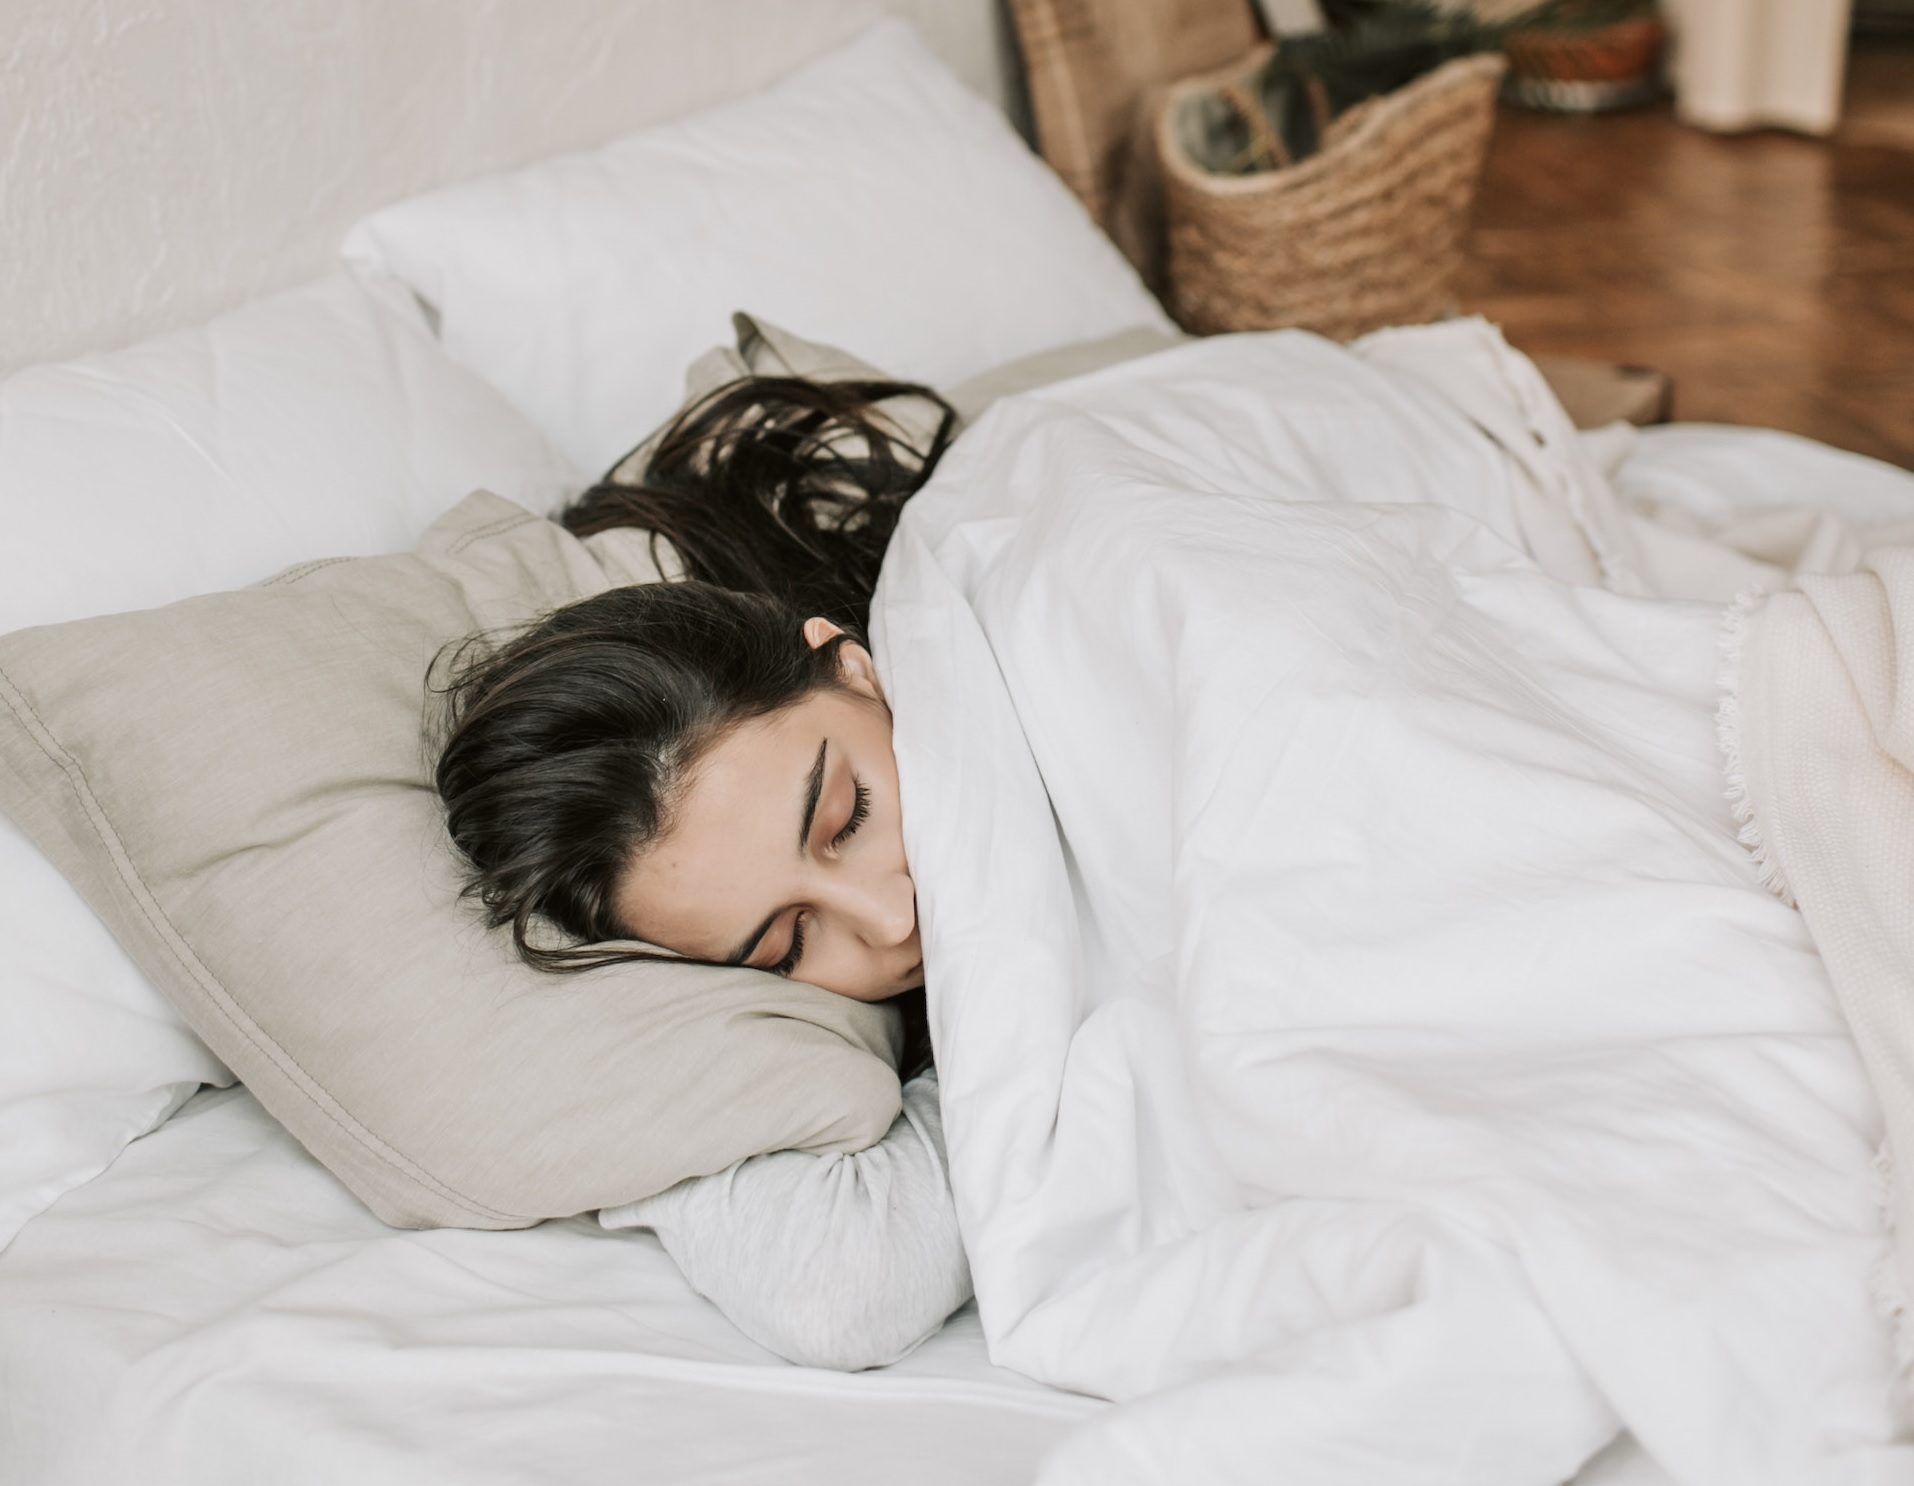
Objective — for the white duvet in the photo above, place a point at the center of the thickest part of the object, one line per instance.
(1366, 1051)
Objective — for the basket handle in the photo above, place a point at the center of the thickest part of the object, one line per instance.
(1255, 118)
(1263, 138)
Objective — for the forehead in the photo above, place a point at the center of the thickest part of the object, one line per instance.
(730, 852)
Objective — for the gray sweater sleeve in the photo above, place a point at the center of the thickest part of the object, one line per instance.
(844, 1261)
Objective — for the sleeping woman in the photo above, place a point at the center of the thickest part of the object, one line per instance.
(705, 766)
(1373, 1039)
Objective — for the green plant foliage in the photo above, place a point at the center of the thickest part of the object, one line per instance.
(1369, 47)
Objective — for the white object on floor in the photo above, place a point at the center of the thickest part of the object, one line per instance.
(1366, 1049)
(1742, 64)
(1290, 17)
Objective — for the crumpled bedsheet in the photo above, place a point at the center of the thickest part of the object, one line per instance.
(1367, 1052)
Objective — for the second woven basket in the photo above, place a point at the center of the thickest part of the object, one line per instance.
(1366, 232)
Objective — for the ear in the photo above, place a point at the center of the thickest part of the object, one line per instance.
(855, 667)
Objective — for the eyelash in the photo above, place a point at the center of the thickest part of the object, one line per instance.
(860, 812)
(860, 809)
(789, 963)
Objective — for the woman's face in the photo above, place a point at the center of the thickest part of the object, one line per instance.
(785, 850)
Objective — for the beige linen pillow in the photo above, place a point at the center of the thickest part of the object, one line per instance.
(238, 785)
(766, 350)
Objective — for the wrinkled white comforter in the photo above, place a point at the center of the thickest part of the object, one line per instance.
(1366, 1049)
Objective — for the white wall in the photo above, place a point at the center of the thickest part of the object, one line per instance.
(161, 160)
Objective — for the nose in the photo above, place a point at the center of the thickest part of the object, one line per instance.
(881, 908)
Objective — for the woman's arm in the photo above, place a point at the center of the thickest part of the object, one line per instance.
(839, 1261)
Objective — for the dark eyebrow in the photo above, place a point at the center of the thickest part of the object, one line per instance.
(746, 949)
(813, 787)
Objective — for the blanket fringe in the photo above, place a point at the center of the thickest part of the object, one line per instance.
(1887, 1285)
(1734, 627)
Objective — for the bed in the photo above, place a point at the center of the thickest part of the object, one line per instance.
(214, 1305)
(217, 1308)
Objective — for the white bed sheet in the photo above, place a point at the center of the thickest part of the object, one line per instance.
(217, 1308)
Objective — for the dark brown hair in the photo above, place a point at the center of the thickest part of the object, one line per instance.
(560, 748)
(780, 486)
(565, 746)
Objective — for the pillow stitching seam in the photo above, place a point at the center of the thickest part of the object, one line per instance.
(304, 569)
(307, 569)
(494, 528)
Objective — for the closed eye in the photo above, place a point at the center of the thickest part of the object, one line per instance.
(790, 961)
(860, 811)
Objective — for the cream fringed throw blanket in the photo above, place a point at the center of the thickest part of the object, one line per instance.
(1817, 722)
(1816, 717)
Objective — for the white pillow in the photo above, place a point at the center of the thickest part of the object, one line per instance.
(90, 1056)
(870, 200)
(321, 422)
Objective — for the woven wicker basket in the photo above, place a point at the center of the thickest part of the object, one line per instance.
(1365, 233)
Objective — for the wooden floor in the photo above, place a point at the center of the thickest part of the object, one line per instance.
(1771, 275)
